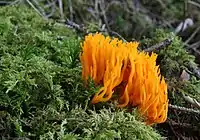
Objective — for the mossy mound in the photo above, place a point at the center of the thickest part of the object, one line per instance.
(41, 87)
(173, 59)
(175, 62)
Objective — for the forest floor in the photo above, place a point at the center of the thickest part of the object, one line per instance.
(42, 93)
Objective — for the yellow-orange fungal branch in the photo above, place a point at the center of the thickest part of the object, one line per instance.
(113, 63)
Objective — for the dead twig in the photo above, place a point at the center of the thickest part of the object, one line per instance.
(163, 44)
(9, 2)
(182, 125)
(117, 34)
(51, 5)
(70, 9)
(196, 51)
(5, 2)
(177, 136)
(192, 35)
(40, 12)
(191, 100)
(194, 45)
(194, 70)
(184, 109)
(194, 3)
(103, 12)
(72, 24)
(60, 3)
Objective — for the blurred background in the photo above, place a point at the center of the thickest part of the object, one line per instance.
(132, 19)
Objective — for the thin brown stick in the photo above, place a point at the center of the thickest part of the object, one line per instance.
(163, 44)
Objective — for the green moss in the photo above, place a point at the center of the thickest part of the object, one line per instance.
(105, 125)
(37, 58)
(192, 88)
(41, 85)
(173, 59)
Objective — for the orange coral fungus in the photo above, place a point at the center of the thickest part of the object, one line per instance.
(113, 63)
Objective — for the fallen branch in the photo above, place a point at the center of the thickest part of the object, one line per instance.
(117, 34)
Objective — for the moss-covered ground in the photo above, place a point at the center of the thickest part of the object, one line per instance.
(42, 95)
